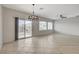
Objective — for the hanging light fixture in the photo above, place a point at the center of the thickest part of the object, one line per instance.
(33, 17)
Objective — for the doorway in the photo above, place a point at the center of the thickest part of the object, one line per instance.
(24, 28)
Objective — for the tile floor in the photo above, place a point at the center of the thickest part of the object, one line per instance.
(50, 44)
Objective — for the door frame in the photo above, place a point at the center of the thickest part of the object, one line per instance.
(16, 28)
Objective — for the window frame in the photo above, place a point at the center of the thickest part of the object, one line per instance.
(46, 26)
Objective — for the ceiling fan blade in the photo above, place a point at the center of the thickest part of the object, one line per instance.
(61, 16)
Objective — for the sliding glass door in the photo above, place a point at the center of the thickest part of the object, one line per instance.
(21, 29)
(28, 28)
(24, 28)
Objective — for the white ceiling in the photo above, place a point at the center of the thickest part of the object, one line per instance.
(49, 10)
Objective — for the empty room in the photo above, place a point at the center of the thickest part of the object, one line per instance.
(39, 28)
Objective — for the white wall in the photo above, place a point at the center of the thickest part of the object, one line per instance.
(68, 26)
(1, 33)
(9, 24)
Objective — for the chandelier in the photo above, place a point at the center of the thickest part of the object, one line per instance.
(33, 17)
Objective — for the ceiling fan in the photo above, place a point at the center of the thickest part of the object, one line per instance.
(61, 17)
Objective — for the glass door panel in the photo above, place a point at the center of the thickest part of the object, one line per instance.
(28, 28)
(21, 29)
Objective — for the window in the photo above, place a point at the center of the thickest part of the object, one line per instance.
(42, 25)
(50, 25)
